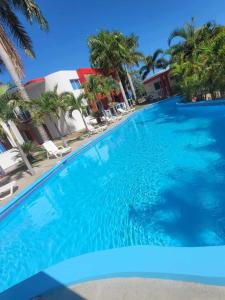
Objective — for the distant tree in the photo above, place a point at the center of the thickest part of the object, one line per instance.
(198, 59)
(111, 51)
(152, 62)
(138, 84)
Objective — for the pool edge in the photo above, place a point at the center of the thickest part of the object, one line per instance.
(204, 265)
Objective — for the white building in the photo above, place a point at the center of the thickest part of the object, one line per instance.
(66, 81)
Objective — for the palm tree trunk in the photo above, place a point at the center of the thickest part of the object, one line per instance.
(13, 73)
(122, 91)
(56, 127)
(23, 155)
(15, 77)
(85, 123)
(131, 84)
(67, 125)
(42, 133)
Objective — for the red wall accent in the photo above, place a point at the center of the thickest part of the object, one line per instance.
(82, 72)
(87, 71)
(34, 81)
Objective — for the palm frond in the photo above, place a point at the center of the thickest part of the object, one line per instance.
(31, 11)
(179, 32)
(156, 54)
(10, 21)
(11, 51)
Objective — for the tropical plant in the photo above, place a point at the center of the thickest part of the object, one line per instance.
(110, 52)
(198, 60)
(152, 62)
(75, 103)
(133, 57)
(7, 114)
(189, 37)
(108, 86)
(61, 107)
(12, 30)
(29, 148)
(98, 86)
(48, 105)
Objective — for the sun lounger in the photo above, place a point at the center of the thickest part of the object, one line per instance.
(94, 130)
(53, 150)
(9, 187)
(10, 160)
(122, 111)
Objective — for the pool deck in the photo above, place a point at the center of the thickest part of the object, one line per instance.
(193, 265)
(137, 289)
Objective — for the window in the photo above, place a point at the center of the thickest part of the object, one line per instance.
(75, 84)
(157, 85)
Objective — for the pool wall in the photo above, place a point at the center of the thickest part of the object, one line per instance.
(195, 264)
(201, 103)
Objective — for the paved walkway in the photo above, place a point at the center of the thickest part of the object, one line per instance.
(137, 289)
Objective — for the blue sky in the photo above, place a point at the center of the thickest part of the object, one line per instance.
(72, 21)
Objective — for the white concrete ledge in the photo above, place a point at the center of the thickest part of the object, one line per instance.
(201, 264)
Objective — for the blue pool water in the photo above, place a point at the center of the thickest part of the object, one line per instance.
(158, 179)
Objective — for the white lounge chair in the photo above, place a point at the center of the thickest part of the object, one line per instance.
(94, 130)
(91, 120)
(10, 160)
(53, 150)
(108, 119)
(122, 111)
(9, 187)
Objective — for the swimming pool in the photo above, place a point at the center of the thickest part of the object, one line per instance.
(157, 179)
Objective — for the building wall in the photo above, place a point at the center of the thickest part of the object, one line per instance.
(61, 79)
(150, 89)
(160, 85)
(35, 88)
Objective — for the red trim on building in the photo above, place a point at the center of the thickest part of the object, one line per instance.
(37, 80)
(87, 71)
(156, 76)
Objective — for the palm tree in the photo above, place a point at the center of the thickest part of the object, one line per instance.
(9, 23)
(152, 62)
(109, 51)
(92, 89)
(189, 37)
(7, 114)
(133, 57)
(60, 106)
(197, 60)
(46, 106)
(108, 85)
(75, 103)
